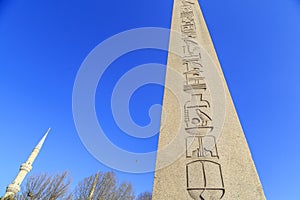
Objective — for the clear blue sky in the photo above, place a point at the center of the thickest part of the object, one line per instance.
(42, 45)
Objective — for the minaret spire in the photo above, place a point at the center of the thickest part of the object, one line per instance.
(25, 168)
(92, 191)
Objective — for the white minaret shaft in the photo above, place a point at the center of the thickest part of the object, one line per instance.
(92, 191)
(25, 168)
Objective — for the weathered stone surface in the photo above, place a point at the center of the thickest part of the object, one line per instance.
(202, 151)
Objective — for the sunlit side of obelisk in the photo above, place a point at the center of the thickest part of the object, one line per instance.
(202, 151)
(13, 188)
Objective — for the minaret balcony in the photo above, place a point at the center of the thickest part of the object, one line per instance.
(26, 167)
(13, 188)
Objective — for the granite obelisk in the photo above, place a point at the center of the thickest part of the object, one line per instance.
(202, 151)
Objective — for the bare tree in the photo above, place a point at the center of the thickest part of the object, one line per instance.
(144, 196)
(46, 187)
(103, 186)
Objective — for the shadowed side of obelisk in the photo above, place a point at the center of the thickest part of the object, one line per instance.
(200, 124)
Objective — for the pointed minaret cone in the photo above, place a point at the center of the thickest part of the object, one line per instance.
(25, 168)
(202, 151)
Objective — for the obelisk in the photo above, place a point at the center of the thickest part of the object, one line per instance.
(202, 151)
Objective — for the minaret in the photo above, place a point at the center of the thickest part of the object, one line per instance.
(25, 168)
(92, 191)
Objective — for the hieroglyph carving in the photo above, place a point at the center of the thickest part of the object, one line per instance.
(203, 171)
